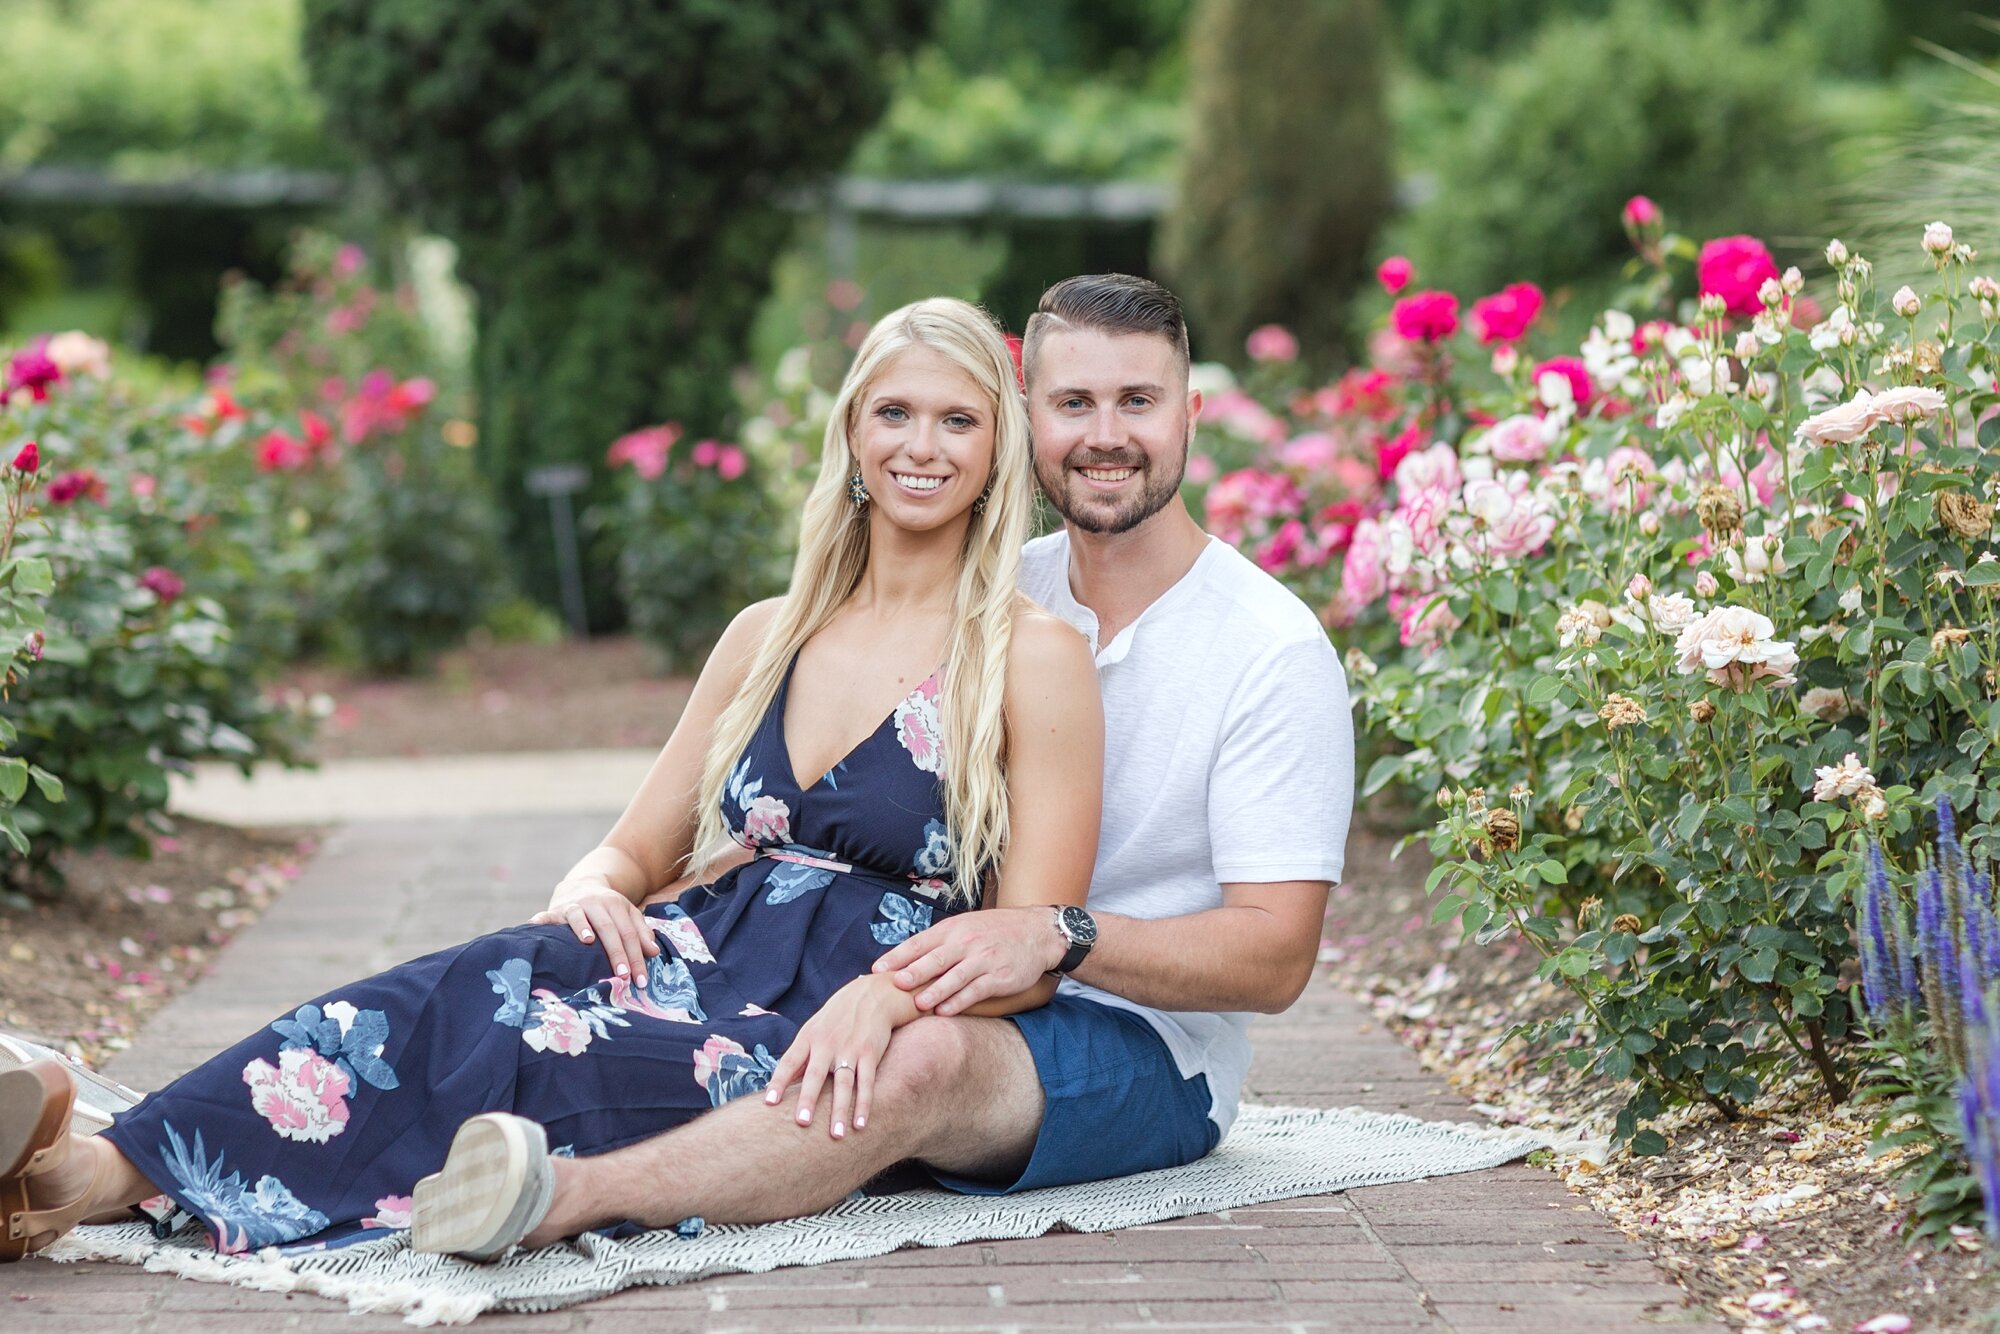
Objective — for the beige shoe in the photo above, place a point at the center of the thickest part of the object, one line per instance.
(98, 1099)
(496, 1184)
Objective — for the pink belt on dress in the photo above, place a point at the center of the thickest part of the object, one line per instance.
(805, 859)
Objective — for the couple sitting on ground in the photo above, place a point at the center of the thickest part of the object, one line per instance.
(1012, 934)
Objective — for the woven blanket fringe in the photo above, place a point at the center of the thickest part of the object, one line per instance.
(1274, 1153)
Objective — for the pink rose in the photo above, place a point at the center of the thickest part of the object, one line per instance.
(303, 1097)
(70, 487)
(1427, 317)
(730, 463)
(1640, 213)
(1395, 273)
(1503, 518)
(1283, 547)
(1435, 469)
(1626, 469)
(1201, 469)
(1389, 454)
(1423, 619)
(1507, 314)
(1423, 512)
(1364, 575)
(1734, 268)
(644, 451)
(1271, 342)
(1518, 439)
(278, 452)
(1313, 452)
(704, 453)
(162, 583)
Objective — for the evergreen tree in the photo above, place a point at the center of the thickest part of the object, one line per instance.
(1287, 172)
(611, 171)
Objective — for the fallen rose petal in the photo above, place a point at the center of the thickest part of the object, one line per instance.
(1884, 1324)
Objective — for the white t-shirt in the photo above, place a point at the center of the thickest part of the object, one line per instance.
(1228, 757)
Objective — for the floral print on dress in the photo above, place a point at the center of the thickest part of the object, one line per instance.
(766, 821)
(668, 992)
(327, 1054)
(905, 919)
(547, 1021)
(244, 1219)
(917, 727)
(679, 930)
(303, 1096)
(789, 880)
(727, 1071)
(933, 860)
(390, 1211)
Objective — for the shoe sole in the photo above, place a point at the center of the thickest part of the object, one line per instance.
(495, 1185)
(98, 1098)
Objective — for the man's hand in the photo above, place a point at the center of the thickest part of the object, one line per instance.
(966, 959)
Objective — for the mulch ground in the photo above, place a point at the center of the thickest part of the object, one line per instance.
(84, 966)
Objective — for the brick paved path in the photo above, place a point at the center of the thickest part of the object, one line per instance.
(1507, 1249)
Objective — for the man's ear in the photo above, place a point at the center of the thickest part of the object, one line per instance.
(1194, 402)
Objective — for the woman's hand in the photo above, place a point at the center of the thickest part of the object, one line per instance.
(590, 907)
(845, 1040)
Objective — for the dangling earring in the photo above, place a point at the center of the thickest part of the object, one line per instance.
(857, 490)
(979, 503)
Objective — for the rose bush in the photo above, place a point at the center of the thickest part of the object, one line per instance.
(369, 445)
(1632, 602)
(699, 529)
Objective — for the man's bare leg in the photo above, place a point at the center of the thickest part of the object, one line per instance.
(960, 1094)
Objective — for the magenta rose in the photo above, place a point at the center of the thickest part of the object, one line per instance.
(1427, 317)
(33, 370)
(1506, 315)
(1395, 274)
(1571, 369)
(163, 584)
(70, 487)
(1733, 268)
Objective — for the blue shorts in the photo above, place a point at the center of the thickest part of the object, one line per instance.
(1114, 1103)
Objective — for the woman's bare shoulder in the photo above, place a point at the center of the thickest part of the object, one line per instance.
(738, 646)
(1047, 648)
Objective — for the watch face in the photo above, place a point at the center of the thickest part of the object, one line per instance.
(1080, 925)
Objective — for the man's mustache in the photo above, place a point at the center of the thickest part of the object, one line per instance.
(1080, 459)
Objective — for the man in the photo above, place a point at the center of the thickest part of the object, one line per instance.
(1228, 783)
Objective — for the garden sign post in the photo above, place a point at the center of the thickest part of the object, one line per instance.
(559, 482)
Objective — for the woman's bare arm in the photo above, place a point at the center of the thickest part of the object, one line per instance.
(1055, 780)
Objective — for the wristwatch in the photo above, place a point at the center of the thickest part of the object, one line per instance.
(1079, 929)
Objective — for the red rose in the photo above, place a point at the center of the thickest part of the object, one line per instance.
(70, 487)
(29, 459)
(1427, 317)
(1389, 453)
(162, 583)
(1014, 351)
(33, 370)
(1395, 274)
(317, 431)
(1733, 268)
(1506, 315)
(278, 452)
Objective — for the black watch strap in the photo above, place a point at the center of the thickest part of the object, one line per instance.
(1080, 929)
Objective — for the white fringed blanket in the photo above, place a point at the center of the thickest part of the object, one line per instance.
(1273, 1153)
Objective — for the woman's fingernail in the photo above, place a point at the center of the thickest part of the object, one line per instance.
(838, 1130)
(805, 1117)
(860, 1122)
(771, 1098)
(587, 937)
(622, 970)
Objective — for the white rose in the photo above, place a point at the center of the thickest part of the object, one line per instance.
(1841, 424)
(1937, 238)
(1906, 302)
(1734, 645)
(1907, 403)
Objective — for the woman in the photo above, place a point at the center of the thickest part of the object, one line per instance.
(606, 1022)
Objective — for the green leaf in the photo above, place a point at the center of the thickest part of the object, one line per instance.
(13, 778)
(33, 576)
(1759, 965)
(51, 786)
(1649, 1144)
(1544, 690)
(1553, 872)
(1983, 576)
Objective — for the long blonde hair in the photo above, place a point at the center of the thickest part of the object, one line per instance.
(833, 555)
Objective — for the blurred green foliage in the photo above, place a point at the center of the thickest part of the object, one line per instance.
(152, 87)
(1531, 172)
(612, 174)
(1287, 171)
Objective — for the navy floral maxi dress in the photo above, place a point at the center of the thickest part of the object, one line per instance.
(313, 1130)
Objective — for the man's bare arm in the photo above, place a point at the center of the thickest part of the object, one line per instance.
(1255, 952)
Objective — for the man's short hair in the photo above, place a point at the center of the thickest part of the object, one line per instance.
(1107, 303)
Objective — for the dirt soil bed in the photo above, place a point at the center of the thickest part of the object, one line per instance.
(573, 696)
(1776, 1222)
(84, 969)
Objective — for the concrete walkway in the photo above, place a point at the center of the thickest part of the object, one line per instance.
(1504, 1250)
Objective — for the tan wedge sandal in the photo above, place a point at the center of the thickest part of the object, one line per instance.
(35, 1104)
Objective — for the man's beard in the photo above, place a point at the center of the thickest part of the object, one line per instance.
(1092, 513)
